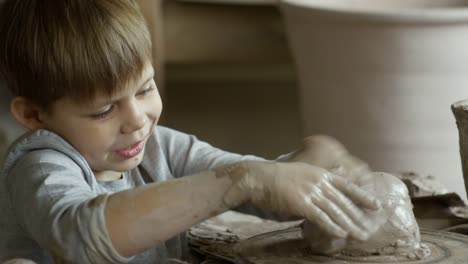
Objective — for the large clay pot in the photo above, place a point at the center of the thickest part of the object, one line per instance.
(380, 75)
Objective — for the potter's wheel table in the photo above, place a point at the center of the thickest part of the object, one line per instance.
(286, 247)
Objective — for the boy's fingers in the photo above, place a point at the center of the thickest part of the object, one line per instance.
(316, 215)
(339, 216)
(349, 208)
(356, 194)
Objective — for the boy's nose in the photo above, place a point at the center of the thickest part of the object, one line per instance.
(135, 119)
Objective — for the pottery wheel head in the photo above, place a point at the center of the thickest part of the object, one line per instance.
(287, 247)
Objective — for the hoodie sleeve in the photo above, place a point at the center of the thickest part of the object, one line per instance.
(188, 155)
(58, 208)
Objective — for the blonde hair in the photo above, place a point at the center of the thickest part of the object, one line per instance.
(71, 48)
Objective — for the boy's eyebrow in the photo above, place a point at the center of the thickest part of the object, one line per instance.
(107, 102)
(146, 81)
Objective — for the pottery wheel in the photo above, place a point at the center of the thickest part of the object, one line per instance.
(287, 247)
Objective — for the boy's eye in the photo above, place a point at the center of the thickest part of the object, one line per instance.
(103, 114)
(146, 91)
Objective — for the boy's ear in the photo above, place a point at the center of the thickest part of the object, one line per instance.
(26, 113)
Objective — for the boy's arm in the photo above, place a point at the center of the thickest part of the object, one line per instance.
(142, 217)
(330, 154)
(187, 155)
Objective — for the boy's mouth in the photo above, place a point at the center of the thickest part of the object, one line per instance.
(131, 151)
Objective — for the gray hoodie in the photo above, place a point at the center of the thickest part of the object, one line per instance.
(46, 187)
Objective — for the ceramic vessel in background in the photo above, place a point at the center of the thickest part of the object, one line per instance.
(380, 75)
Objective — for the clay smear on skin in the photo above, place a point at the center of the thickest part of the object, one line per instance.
(202, 206)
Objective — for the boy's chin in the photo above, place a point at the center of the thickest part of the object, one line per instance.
(127, 164)
(118, 164)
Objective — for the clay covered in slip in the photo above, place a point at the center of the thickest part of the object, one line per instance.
(399, 235)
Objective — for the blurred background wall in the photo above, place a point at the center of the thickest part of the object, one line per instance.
(228, 75)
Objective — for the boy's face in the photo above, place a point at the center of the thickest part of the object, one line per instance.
(111, 136)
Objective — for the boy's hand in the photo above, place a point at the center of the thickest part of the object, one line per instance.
(332, 202)
(329, 153)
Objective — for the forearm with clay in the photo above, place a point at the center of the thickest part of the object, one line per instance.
(140, 218)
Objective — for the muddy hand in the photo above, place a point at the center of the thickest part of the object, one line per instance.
(332, 202)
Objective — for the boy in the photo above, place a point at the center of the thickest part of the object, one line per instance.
(95, 180)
